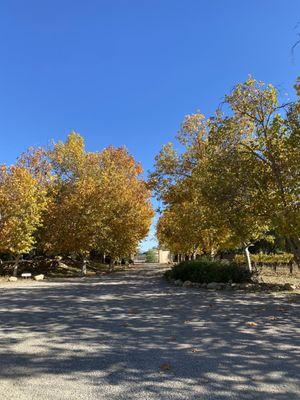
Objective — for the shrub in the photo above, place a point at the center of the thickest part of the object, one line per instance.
(284, 258)
(151, 256)
(205, 271)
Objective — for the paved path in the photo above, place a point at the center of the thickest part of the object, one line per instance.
(108, 339)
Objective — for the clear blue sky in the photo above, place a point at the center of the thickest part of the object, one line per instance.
(126, 72)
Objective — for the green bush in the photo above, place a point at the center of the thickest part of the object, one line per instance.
(206, 271)
(283, 258)
(151, 256)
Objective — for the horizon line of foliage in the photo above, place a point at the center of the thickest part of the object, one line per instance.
(235, 179)
(66, 200)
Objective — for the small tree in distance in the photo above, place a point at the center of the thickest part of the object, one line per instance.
(151, 256)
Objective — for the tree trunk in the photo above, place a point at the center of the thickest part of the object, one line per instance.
(16, 264)
(295, 249)
(111, 264)
(248, 258)
(83, 268)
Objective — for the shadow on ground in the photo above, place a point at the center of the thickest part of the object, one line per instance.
(131, 336)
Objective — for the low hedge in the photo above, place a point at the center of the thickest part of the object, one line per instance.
(283, 258)
(206, 271)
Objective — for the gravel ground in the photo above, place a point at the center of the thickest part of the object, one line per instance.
(131, 336)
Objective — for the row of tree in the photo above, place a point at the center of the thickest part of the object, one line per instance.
(235, 176)
(66, 200)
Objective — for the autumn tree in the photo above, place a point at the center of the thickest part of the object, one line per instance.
(22, 202)
(243, 166)
(97, 202)
(72, 216)
(268, 135)
(187, 224)
(127, 209)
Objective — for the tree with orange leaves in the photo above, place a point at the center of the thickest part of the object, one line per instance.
(97, 201)
(22, 202)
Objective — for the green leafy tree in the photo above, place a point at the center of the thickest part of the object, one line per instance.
(243, 171)
(151, 256)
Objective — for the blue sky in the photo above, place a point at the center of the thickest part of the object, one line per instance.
(126, 72)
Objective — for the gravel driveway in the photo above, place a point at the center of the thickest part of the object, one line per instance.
(131, 336)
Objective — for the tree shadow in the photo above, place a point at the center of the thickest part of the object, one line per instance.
(134, 332)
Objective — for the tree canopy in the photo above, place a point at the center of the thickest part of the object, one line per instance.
(237, 177)
(66, 200)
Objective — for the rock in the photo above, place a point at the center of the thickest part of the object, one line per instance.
(26, 275)
(39, 277)
(203, 285)
(187, 284)
(178, 282)
(289, 286)
(213, 285)
(221, 286)
(12, 279)
(245, 285)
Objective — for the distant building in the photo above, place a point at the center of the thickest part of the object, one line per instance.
(164, 256)
(161, 257)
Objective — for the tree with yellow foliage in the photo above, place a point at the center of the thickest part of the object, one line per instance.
(127, 211)
(266, 135)
(243, 167)
(22, 202)
(97, 202)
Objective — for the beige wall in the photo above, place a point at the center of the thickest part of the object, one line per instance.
(163, 256)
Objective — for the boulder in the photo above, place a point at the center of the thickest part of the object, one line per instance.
(12, 279)
(187, 284)
(178, 282)
(245, 285)
(39, 277)
(221, 286)
(289, 286)
(26, 275)
(248, 285)
(213, 285)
